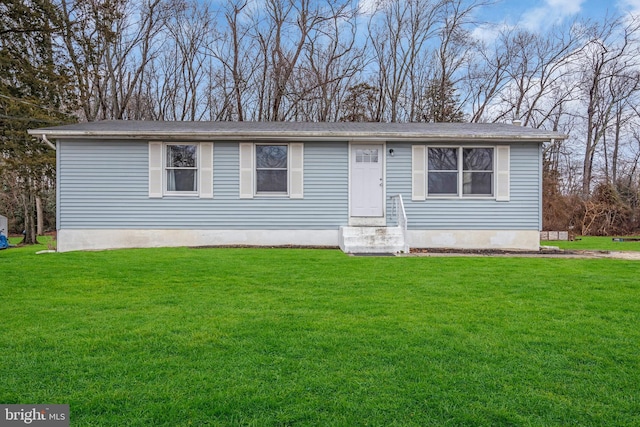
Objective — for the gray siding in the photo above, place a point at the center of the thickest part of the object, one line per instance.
(522, 212)
(104, 184)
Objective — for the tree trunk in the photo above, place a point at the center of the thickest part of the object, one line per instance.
(29, 232)
(616, 147)
(39, 216)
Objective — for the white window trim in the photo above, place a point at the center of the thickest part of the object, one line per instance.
(427, 171)
(493, 173)
(248, 175)
(158, 168)
(460, 171)
(501, 173)
(277, 194)
(165, 168)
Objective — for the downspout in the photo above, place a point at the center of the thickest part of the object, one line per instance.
(52, 146)
(46, 141)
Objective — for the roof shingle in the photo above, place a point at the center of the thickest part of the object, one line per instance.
(345, 131)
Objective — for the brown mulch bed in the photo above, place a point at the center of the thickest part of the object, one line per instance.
(264, 247)
(488, 251)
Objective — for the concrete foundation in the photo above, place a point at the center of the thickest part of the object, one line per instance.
(526, 240)
(350, 239)
(74, 240)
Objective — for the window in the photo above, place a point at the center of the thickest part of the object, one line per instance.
(477, 174)
(271, 169)
(461, 172)
(181, 167)
(369, 155)
(446, 167)
(443, 171)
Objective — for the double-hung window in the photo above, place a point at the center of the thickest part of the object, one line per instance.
(443, 171)
(181, 169)
(271, 169)
(477, 171)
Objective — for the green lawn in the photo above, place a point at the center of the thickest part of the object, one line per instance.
(276, 337)
(598, 243)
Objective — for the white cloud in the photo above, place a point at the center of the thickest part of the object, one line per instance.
(368, 7)
(488, 33)
(570, 7)
(485, 33)
(550, 13)
(632, 6)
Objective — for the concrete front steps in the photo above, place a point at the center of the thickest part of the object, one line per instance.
(372, 240)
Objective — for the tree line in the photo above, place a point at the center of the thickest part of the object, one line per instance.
(338, 60)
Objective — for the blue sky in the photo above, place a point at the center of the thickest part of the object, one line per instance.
(538, 14)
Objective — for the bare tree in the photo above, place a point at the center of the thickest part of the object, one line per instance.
(451, 54)
(182, 69)
(236, 67)
(399, 33)
(109, 44)
(541, 78)
(291, 22)
(333, 59)
(622, 120)
(235, 50)
(485, 79)
(611, 54)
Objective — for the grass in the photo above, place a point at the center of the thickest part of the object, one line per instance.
(597, 243)
(313, 337)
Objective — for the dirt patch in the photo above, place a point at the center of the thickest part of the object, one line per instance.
(482, 251)
(263, 247)
(543, 253)
(443, 252)
(630, 255)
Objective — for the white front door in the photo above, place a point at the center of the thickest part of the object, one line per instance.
(366, 190)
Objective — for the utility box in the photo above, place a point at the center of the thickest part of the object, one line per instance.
(4, 225)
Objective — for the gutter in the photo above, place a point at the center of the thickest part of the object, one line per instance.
(266, 131)
(297, 136)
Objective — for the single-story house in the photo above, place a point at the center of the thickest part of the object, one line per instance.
(365, 187)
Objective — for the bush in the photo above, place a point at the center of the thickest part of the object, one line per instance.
(606, 213)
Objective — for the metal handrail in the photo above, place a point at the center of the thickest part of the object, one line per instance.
(402, 215)
(398, 211)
